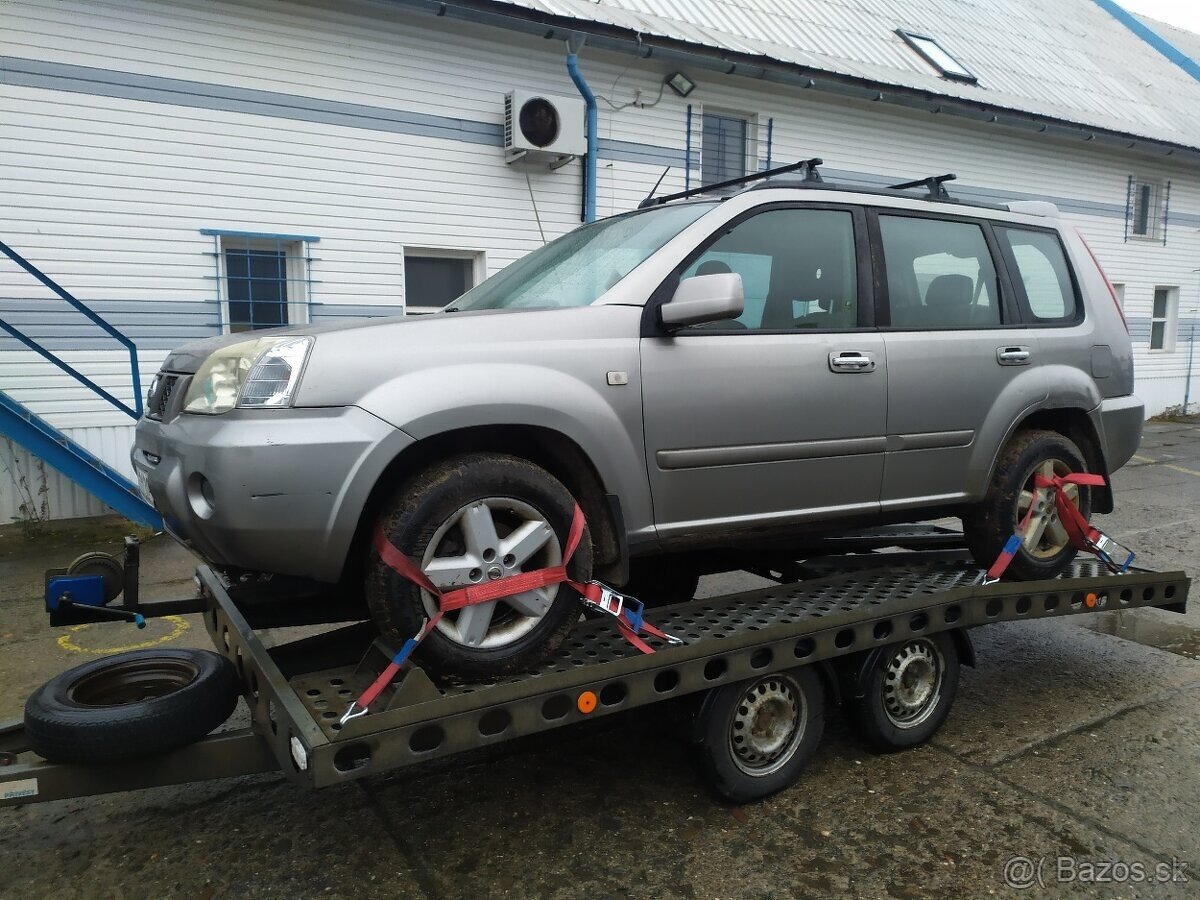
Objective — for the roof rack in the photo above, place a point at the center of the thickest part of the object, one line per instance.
(808, 166)
(935, 184)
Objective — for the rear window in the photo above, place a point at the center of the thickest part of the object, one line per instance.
(1043, 280)
(940, 274)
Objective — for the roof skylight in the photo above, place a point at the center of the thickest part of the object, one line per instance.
(935, 54)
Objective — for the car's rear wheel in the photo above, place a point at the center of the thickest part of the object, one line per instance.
(471, 519)
(1046, 549)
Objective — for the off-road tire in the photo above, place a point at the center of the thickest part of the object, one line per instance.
(990, 524)
(411, 518)
(65, 722)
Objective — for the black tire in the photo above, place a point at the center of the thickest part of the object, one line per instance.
(661, 580)
(995, 519)
(410, 521)
(737, 774)
(131, 705)
(889, 722)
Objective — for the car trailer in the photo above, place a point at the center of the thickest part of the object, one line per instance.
(857, 621)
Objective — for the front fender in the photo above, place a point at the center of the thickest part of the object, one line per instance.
(604, 420)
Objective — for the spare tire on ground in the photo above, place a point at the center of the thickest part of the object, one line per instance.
(130, 705)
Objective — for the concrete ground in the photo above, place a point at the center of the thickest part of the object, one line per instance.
(1073, 738)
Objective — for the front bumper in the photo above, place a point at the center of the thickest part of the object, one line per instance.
(277, 491)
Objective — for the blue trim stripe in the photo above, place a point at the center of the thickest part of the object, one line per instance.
(199, 95)
(1151, 37)
(102, 82)
(259, 236)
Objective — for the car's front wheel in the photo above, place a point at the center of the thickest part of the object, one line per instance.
(1046, 549)
(473, 519)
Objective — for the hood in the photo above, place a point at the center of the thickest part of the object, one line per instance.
(191, 356)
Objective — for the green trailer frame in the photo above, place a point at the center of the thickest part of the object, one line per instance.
(848, 603)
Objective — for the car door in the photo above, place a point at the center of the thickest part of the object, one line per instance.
(960, 364)
(778, 415)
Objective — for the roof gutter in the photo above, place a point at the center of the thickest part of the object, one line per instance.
(601, 36)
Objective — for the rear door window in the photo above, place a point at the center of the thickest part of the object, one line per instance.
(1042, 278)
(940, 274)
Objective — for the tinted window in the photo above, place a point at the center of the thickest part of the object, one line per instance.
(1043, 279)
(257, 284)
(435, 280)
(797, 266)
(940, 274)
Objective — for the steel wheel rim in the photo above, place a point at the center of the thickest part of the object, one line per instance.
(133, 682)
(768, 725)
(912, 683)
(1046, 536)
(484, 540)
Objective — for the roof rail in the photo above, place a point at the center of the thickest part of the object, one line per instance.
(935, 184)
(808, 166)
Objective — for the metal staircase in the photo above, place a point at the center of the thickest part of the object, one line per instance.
(39, 437)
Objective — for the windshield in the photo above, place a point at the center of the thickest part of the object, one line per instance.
(578, 267)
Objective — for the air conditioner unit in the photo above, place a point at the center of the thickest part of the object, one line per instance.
(543, 129)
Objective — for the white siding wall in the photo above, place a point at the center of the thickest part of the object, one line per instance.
(108, 194)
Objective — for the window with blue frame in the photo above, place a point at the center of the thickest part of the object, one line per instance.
(723, 149)
(264, 279)
(257, 288)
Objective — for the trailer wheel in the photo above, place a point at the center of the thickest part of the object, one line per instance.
(758, 735)
(905, 691)
(129, 705)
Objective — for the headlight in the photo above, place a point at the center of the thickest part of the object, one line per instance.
(258, 373)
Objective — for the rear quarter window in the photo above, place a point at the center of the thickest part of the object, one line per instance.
(1041, 274)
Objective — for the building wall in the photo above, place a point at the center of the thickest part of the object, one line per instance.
(131, 126)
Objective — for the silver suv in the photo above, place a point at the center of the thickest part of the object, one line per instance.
(711, 380)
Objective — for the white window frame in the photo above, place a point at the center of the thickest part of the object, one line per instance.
(1154, 214)
(297, 271)
(1170, 321)
(750, 157)
(478, 259)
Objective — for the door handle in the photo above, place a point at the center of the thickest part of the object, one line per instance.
(848, 361)
(1012, 356)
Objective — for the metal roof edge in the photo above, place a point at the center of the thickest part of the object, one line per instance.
(496, 13)
(1151, 37)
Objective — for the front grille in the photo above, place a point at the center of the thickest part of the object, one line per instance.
(158, 403)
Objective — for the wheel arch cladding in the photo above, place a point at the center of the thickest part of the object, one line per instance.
(553, 451)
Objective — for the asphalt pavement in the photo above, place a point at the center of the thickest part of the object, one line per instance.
(1069, 761)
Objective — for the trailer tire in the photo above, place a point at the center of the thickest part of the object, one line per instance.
(905, 691)
(130, 705)
(793, 701)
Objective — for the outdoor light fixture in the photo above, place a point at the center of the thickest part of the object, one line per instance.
(681, 84)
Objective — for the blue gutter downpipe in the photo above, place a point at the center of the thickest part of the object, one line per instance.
(1151, 37)
(593, 125)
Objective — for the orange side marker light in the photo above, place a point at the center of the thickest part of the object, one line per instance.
(1090, 600)
(586, 702)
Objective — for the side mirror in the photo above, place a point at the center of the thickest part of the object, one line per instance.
(704, 298)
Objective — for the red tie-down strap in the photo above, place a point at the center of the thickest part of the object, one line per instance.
(1082, 534)
(627, 624)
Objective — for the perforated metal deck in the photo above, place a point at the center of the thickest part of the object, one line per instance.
(729, 638)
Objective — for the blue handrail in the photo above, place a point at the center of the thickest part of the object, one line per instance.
(136, 410)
